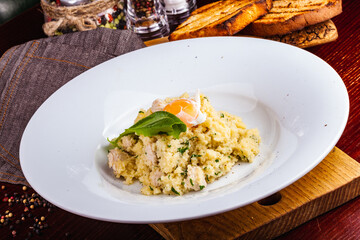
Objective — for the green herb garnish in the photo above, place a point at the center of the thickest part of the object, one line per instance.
(195, 155)
(221, 115)
(191, 182)
(182, 150)
(217, 160)
(151, 188)
(141, 112)
(157, 123)
(186, 143)
(201, 187)
(174, 191)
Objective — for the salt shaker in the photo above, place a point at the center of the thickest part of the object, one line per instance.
(147, 18)
(178, 11)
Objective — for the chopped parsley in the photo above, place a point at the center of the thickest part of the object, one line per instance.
(182, 183)
(222, 115)
(217, 173)
(191, 182)
(207, 178)
(182, 150)
(202, 187)
(217, 160)
(141, 112)
(195, 155)
(184, 173)
(169, 146)
(174, 191)
(151, 188)
(186, 143)
(254, 138)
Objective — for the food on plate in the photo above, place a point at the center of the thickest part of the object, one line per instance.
(221, 18)
(310, 36)
(180, 145)
(288, 16)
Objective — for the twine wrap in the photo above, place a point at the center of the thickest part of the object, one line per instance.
(83, 17)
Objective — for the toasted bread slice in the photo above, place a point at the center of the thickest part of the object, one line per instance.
(221, 18)
(287, 16)
(310, 36)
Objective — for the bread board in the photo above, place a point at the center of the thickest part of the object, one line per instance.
(330, 184)
(314, 35)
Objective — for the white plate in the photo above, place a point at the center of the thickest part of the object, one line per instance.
(297, 101)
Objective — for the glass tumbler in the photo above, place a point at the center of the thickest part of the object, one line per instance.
(147, 18)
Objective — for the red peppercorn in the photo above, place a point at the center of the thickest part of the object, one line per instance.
(110, 17)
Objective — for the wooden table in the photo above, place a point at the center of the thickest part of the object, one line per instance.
(341, 223)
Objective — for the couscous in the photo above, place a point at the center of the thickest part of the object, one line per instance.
(206, 149)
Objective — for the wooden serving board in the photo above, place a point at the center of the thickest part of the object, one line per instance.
(333, 182)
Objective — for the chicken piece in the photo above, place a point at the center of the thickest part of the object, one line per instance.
(158, 105)
(115, 155)
(154, 177)
(127, 142)
(195, 178)
(150, 155)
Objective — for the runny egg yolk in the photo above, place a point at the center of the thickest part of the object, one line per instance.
(184, 109)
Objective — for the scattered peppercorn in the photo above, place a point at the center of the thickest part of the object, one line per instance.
(13, 220)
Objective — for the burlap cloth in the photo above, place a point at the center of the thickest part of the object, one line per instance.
(31, 72)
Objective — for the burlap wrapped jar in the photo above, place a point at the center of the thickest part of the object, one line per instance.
(63, 19)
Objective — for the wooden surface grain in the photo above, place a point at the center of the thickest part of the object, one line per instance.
(341, 223)
(335, 181)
